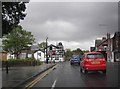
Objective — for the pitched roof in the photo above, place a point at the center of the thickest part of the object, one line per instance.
(39, 50)
(117, 34)
(97, 42)
(102, 42)
(34, 47)
(52, 46)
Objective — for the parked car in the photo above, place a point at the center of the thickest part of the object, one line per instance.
(75, 59)
(57, 60)
(93, 61)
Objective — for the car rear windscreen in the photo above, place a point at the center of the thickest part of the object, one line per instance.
(92, 56)
(75, 56)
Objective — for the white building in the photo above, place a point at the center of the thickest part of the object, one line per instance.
(55, 53)
(39, 55)
(33, 52)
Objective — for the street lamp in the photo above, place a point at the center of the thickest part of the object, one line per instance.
(46, 51)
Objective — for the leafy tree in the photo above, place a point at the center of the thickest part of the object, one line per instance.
(77, 51)
(12, 13)
(85, 51)
(17, 40)
(68, 53)
(42, 45)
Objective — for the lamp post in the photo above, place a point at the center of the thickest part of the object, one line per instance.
(46, 51)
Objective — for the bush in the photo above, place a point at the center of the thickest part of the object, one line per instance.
(22, 62)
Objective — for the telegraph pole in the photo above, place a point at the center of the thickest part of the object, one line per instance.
(46, 51)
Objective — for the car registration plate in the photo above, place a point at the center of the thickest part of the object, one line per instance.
(95, 62)
(75, 61)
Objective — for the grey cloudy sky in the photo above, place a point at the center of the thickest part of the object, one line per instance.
(76, 24)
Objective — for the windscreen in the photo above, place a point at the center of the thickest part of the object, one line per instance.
(92, 56)
(76, 56)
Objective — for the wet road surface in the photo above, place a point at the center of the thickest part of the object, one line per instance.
(66, 75)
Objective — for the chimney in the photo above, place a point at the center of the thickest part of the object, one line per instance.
(103, 39)
(108, 35)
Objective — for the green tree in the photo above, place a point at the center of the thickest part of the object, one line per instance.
(78, 51)
(85, 51)
(12, 13)
(17, 40)
(68, 53)
(42, 45)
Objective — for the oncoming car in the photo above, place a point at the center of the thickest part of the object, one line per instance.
(93, 61)
(75, 59)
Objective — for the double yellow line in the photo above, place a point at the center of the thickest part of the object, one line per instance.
(31, 84)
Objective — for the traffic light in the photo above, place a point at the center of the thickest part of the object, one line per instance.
(50, 47)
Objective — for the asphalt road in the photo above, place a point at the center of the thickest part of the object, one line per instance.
(66, 75)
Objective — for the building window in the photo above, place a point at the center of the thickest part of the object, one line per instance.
(116, 43)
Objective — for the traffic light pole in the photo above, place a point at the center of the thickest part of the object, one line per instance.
(51, 52)
(46, 52)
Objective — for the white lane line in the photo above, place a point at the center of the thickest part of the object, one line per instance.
(53, 84)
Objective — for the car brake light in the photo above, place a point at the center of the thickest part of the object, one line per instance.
(104, 61)
(86, 61)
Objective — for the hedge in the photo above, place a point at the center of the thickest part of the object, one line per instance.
(21, 62)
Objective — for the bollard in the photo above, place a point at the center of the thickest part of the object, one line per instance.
(7, 67)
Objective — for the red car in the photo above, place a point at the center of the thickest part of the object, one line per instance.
(93, 61)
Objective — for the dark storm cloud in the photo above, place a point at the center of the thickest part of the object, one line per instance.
(71, 21)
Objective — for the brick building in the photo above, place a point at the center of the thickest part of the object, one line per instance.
(110, 46)
(116, 46)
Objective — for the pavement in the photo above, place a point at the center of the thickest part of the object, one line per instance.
(19, 75)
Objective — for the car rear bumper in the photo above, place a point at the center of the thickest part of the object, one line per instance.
(75, 61)
(95, 67)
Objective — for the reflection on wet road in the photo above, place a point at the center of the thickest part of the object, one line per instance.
(66, 75)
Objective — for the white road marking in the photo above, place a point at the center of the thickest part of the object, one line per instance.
(53, 84)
